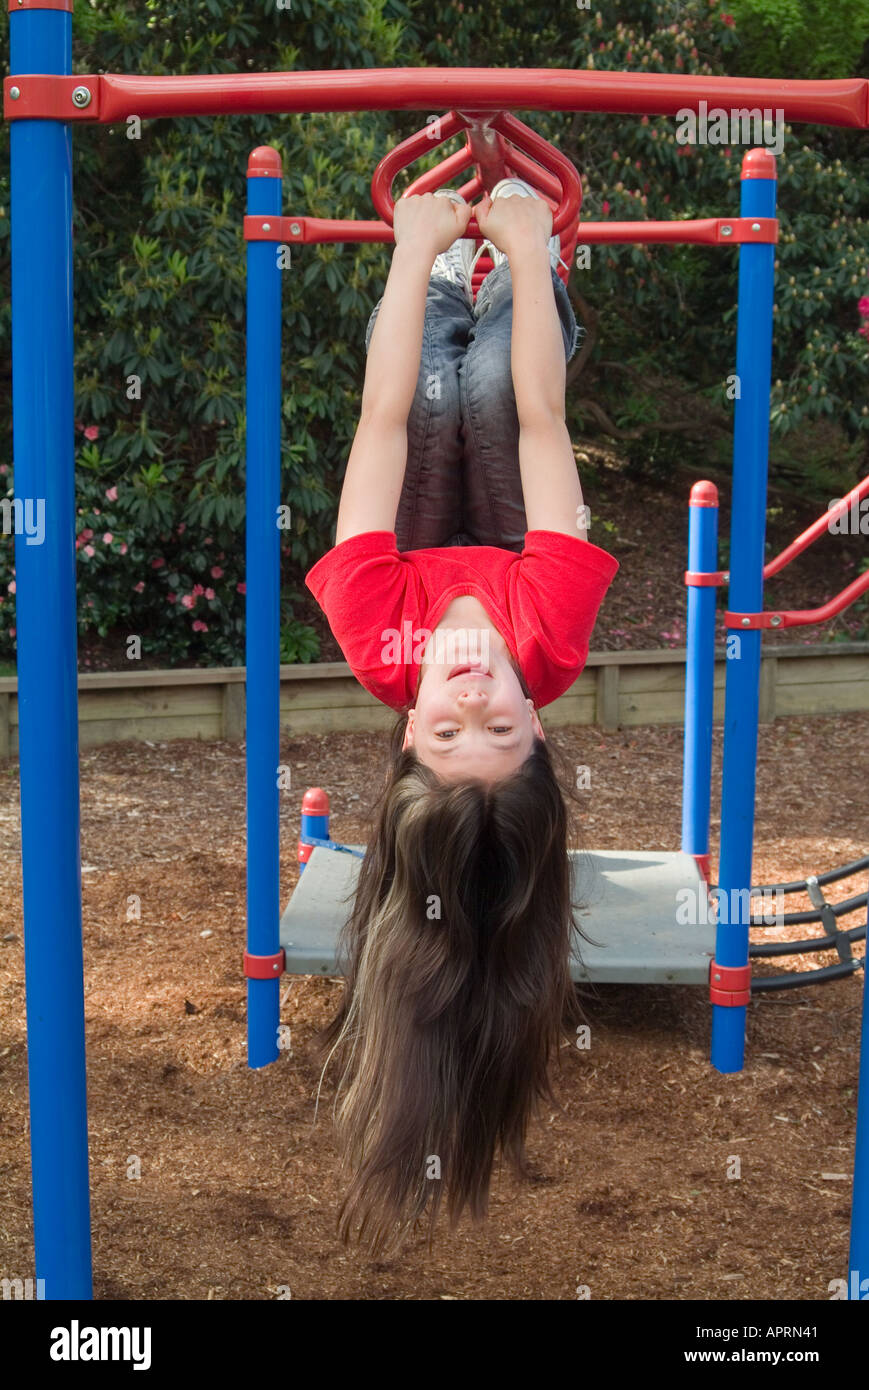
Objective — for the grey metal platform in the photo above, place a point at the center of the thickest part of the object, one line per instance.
(630, 907)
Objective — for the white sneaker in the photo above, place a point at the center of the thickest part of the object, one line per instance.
(458, 261)
(518, 188)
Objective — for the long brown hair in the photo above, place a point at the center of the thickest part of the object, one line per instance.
(456, 960)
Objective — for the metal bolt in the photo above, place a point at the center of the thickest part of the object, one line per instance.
(755, 226)
(746, 622)
(267, 226)
(726, 231)
(81, 96)
(726, 576)
(775, 620)
(295, 229)
(14, 93)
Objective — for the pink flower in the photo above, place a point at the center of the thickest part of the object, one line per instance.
(3, 468)
(198, 590)
(207, 541)
(92, 432)
(138, 588)
(241, 588)
(862, 306)
(89, 550)
(728, 20)
(96, 511)
(170, 598)
(209, 593)
(112, 494)
(182, 528)
(86, 533)
(108, 538)
(605, 207)
(12, 632)
(188, 601)
(11, 586)
(200, 626)
(123, 547)
(216, 572)
(158, 563)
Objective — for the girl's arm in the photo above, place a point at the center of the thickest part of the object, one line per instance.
(424, 226)
(551, 490)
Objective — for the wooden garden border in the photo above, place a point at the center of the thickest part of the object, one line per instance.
(615, 689)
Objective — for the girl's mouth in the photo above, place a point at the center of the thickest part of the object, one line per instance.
(475, 669)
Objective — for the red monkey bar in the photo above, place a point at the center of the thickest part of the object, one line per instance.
(109, 97)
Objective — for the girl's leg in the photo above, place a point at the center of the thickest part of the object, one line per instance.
(430, 507)
(494, 510)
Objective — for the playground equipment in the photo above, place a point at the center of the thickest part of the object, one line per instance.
(43, 101)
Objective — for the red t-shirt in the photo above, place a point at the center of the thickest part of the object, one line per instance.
(544, 603)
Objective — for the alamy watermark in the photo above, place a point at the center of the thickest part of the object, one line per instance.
(450, 646)
(741, 125)
(22, 509)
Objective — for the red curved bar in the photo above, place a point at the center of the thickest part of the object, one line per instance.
(800, 617)
(528, 142)
(816, 529)
(511, 141)
(840, 102)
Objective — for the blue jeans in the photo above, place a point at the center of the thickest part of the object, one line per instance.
(462, 484)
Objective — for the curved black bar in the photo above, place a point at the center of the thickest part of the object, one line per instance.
(807, 977)
(800, 887)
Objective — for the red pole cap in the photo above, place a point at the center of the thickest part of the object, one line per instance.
(264, 163)
(759, 164)
(703, 494)
(315, 802)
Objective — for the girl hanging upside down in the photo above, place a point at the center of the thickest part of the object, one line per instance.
(462, 590)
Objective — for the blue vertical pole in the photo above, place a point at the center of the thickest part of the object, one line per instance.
(263, 469)
(859, 1259)
(42, 404)
(747, 535)
(699, 674)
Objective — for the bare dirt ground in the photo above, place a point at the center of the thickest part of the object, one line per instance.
(240, 1184)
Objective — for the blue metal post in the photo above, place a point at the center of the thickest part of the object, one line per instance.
(699, 674)
(263, 580)
(315, 822)
(859, 1260)
(42, 402)
(747, 535)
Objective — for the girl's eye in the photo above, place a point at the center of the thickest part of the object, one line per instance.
(503, 729)
(446, 733)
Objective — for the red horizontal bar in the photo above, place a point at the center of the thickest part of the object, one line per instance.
(816, 529)
(839, 102)
(800, 617)
(703, 231)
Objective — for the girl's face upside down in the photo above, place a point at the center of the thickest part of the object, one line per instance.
(471, 718)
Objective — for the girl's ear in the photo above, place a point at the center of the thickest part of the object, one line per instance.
(535, 722)
(408, 733)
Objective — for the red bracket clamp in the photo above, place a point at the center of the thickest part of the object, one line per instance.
(265, 967)
(707, 579)
(746, 621)
(729, 985)
(41, 97)
(747, 229)
(259, 226)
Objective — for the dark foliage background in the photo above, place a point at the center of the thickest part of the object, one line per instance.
(160, 277)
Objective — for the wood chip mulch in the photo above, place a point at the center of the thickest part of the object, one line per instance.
(633, 1193)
